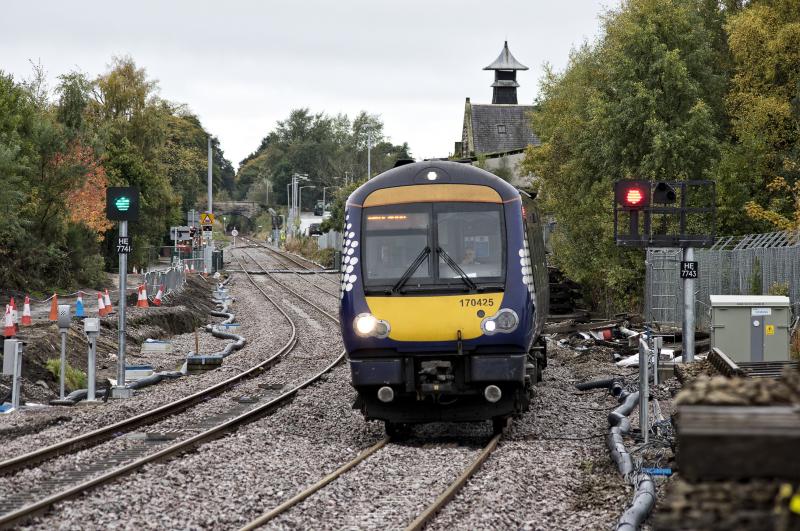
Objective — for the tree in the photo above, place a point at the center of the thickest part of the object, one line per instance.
(763, 162)
(326, 148)
(640, 103)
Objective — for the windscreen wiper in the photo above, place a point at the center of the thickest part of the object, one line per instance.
(454, 266)
(412, 269)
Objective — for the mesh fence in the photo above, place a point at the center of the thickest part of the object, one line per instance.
(172, 279)
(756, 264)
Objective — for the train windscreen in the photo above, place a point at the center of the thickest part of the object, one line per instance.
(434, 245)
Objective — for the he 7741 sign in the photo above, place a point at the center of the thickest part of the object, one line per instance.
(124, 245)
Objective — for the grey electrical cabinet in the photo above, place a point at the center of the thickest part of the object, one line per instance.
(751, 327)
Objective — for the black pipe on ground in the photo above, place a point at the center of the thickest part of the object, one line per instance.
(644, 497)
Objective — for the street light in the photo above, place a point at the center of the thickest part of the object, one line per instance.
(323, 197)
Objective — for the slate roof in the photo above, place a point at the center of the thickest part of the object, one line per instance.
(506, 61)
(518, 133)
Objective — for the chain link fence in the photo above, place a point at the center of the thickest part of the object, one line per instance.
(754, 264)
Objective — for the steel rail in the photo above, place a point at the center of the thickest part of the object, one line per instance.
(291, 258)
(299, 275)
(100, 435)
(173, 449)
(295, 293)
(294, 500)
(449, 493)
(179, 447)
(417, 524)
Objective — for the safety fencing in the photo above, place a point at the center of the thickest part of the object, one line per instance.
(172, 279)
(330, 240)
(754, 264)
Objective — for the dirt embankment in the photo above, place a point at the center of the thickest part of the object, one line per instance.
(179, 314)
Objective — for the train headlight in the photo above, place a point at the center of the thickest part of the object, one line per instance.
(367, 325)
(503, 322)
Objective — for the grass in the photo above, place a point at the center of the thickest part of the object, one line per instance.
(73, 379)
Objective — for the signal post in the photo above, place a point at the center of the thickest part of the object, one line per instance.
(122, 204)
(678, 214)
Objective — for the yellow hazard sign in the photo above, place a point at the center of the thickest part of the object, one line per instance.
(769, 330)
(206, 218)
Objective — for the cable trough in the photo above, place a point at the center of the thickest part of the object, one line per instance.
(748, 369)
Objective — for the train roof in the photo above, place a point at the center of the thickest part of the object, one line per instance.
(447, 172)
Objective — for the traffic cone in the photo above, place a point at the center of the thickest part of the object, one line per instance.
(142, 302)
(107, 302)
(192, 269)
(79, 311)
(53, 308)
(205, 270)
(157, 300)
(14, 314)
(8, 328)
(101, 306)
(26, 312)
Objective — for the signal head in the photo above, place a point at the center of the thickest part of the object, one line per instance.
(664, 194)
(633, 195)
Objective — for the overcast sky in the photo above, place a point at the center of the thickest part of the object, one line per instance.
(243, 65)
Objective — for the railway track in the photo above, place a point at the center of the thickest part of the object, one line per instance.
(295, 261)
(417, 523)
(302, 276)
(748, 369)
(21, 506)
(422, 519)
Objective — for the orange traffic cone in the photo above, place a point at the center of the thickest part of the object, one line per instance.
(157, 300)
(26, 312)
(101, 306)
(8, 328)
(107, 302)
(54, 308)
(142, 302)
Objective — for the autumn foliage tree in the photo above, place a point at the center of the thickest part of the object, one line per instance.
(86, 203)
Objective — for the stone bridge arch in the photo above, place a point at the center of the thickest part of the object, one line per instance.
(247, 209)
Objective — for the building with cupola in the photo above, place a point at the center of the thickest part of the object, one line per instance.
(495, 135)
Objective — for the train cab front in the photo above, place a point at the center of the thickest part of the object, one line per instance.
(436, 305)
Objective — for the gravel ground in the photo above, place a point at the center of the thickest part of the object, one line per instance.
(266, 332)
(551, 471)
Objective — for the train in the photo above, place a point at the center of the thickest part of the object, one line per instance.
(444, 295)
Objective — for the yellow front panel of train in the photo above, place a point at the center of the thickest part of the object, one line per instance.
(437, 318)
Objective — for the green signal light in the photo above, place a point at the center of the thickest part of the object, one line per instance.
(123, 204)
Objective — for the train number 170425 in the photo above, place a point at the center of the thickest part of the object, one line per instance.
(477, 302)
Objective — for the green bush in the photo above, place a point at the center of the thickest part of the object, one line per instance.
(74, 379)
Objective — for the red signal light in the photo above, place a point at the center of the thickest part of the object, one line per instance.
(633, 197)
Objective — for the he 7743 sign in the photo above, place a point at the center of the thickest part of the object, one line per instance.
(688, 269)
(124, 245)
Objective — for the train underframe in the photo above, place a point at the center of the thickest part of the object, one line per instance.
(418, 388)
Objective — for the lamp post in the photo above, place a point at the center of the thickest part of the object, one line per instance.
(323, 198)
(369, 156)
